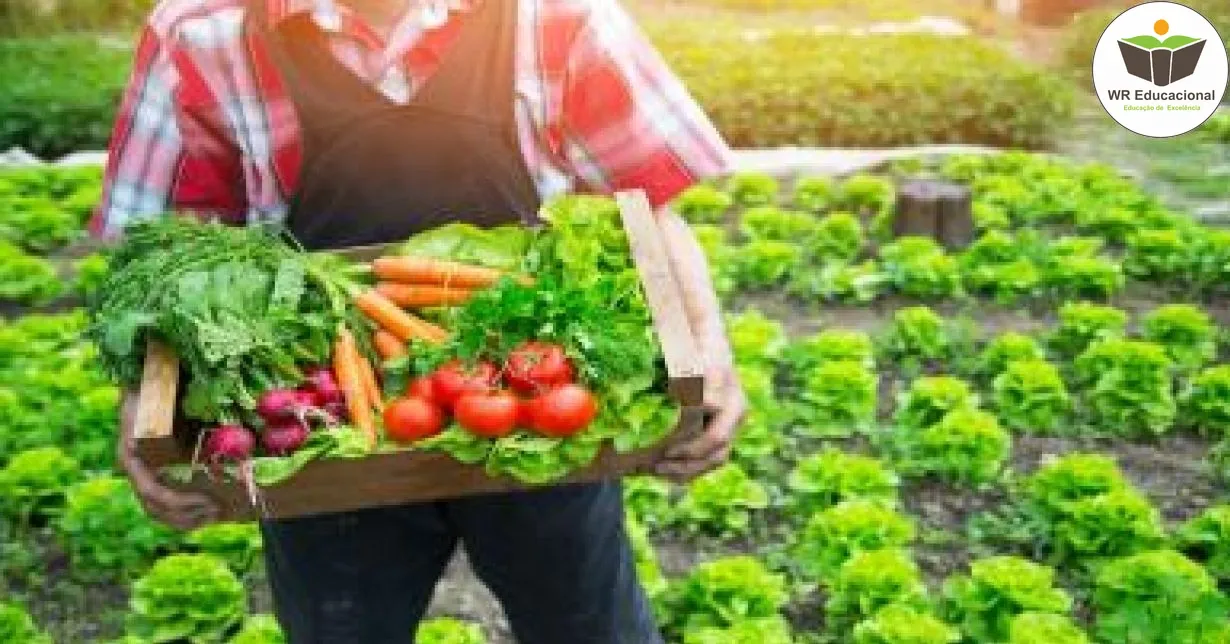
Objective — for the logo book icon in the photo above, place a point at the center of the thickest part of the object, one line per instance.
(1167, 81)
(1161, 62)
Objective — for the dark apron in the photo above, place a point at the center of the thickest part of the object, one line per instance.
(375, 171)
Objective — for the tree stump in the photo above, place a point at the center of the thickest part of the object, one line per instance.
(942, 211)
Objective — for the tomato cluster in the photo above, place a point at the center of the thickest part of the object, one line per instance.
(535, 390)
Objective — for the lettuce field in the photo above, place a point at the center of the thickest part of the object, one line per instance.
(1023, 441)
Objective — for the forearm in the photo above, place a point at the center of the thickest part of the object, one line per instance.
(691, 268)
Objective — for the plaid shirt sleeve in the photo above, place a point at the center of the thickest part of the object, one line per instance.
(165, 152)
(627, 120)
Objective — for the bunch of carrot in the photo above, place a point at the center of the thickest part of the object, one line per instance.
(416, 282)
(402, 282)
(357, 379)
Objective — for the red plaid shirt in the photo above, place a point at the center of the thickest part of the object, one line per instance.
(206, 123)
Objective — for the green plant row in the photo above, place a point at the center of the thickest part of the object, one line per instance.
(786, 88)
(1049, 229)
(810, 89)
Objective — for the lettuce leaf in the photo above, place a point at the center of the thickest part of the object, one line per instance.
(502, 247)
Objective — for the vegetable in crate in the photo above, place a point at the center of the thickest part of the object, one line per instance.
(243, 310)
(536, 376)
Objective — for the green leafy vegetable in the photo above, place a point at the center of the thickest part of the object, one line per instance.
(1031, 396)
(1206, 539)
(838, 398)
(823, 480)
(17, 626)
(1044, 628)
(930, 398)
(1128, 386)
(967, 446)
(240, 307)
(997, 589)
(238, 544)
(105, 531)
(903, 624)
(752, 189)
(1007, 347)
(721, 501)
(1083, 323)
(833, 535)
(1206, 401)
(871, 580)
(33, 483)
(813, 194)
(448, 630)
(186, 597)
(262, 628)
(723, 592)
(702, 203)
(1186, 331)
(773, 223)
(1158, 596)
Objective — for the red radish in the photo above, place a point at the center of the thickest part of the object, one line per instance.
(323, 382)
(336, 409)
(228, 443)
(284, 404)
(284, 437)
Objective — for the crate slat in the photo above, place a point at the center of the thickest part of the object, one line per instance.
(662, 294)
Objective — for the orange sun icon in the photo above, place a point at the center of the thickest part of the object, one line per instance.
(1161, 27)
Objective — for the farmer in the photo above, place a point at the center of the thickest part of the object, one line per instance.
(365, 121)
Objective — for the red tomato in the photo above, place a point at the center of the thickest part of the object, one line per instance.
(563, 411)
(453, 379)
(412, 418)
(489, 414)
(422, 387)
(535, 366)
(525, 414)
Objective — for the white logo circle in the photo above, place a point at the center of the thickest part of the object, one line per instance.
(1160, 69)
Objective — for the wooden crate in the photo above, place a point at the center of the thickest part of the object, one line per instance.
(334, 485)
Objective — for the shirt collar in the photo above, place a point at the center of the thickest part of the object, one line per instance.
(328, 14)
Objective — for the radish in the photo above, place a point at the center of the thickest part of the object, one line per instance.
(285, 404)
(324, 383)
(283, 438)
(228, 443)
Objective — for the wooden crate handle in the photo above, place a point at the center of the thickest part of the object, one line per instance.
(684, 365)
(156, 398)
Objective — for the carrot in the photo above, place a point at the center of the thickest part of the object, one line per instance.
(422, 295)
(388, 345)
(423, 270)
(350, 378)
(391, 318)
(371, 387)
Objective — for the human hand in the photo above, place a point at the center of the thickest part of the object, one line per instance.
(182, 510)
(725, 406)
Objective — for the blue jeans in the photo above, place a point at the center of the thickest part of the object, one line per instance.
(557, 558)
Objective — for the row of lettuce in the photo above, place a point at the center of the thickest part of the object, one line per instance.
(1095, 532)
(1046, 227)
